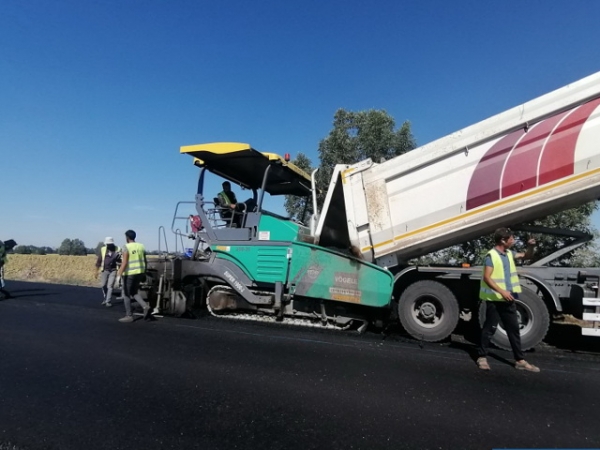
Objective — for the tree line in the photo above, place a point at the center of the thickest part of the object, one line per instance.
(68, 247)
(74, 247)
(356, 136)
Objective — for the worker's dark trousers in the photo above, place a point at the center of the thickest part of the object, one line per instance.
(507, 313)
(131, 284)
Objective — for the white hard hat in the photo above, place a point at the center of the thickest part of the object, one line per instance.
(109, 240)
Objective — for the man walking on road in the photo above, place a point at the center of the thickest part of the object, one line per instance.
(107, 265)
(133, 271)
(499, 289)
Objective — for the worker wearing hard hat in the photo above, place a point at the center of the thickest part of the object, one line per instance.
(107, 265)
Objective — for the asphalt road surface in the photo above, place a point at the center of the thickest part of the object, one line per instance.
(73, 377)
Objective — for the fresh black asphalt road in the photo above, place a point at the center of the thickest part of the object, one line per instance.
(73, 377)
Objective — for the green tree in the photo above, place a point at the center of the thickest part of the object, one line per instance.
(33, 250)
(587, 256)
(74, 247)
(65, 247)
(295, 206)
(22, 250)
(38, 250)
(78, 248)
(357, 136)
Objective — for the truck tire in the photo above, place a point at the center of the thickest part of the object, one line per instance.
(428, 311)
(534, 321)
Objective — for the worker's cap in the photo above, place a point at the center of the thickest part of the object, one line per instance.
(109, 240)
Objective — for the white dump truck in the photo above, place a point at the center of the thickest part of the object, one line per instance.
(538, 158)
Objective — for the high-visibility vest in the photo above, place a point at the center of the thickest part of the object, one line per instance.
(487, 293)
(103, 255)
(224, 198)
(136, 263)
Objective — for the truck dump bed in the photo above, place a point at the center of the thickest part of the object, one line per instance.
(532, 160)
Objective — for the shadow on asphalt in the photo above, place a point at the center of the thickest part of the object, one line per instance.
(27, 290)
(471, 350)
(41, 294)
(560, 337)
(26, 293)
(569, 338)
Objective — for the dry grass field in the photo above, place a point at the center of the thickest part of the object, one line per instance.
(75, 270)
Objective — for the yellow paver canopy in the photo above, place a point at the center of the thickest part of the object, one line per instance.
(242, 164)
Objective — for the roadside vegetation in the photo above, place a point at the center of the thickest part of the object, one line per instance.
(70, 263)
(62, 269)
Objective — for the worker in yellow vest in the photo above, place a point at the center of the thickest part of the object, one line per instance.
(232, 210)
(133, 271)
(107, 265)
(499, 289)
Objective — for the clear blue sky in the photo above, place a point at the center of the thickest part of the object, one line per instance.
(97, 96)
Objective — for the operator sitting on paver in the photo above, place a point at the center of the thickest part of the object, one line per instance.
(228, 200)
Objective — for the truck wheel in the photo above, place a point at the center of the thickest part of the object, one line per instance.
(534, 321)
(428, 311)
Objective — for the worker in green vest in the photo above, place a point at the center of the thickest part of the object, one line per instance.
(227, 197)
(133, 271)
(232, 210)
(499, 289)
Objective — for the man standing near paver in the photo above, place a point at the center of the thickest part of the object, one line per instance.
(499, 289)
(133, 271)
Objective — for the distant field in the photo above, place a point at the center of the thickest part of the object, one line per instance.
(75, 270)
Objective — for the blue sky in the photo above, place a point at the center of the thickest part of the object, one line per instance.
(97, 97)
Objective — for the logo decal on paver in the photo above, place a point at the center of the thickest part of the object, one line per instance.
(345, 288)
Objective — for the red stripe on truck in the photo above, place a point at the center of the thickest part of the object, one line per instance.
(520, 171)
(545, 154)
(558, 159)
(484, 187)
